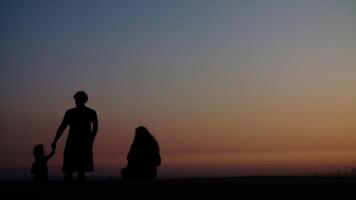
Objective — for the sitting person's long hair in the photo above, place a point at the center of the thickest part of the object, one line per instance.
(143, 157)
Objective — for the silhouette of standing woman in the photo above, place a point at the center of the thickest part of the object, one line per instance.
(143, 157)
(83, 126)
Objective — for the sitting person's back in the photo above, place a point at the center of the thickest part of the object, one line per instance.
(143, 157)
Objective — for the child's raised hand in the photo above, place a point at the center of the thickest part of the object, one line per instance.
(52, 153)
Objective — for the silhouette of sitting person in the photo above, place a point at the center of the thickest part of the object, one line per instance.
(39, 167)
(143, 157)
(83, 126)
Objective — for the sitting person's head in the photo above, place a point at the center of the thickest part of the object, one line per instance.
(142, 134)
(38, 151)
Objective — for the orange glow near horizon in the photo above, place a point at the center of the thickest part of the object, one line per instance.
(228, 88)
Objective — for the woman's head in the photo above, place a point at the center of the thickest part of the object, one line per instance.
(141, 130)
(142, 135)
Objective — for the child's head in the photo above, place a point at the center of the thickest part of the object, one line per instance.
(38, 151)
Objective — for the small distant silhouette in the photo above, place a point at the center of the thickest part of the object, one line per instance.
(83, 126)
(39, 167)
(143, 157)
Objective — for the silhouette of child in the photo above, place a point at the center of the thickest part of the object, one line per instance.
(39, 167)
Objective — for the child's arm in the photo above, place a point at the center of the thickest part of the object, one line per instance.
(51, 154)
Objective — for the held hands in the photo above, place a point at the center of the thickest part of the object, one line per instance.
(54, 145)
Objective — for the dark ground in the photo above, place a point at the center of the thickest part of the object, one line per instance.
(204, 188)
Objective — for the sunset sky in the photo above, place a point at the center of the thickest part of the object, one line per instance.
(226, 87)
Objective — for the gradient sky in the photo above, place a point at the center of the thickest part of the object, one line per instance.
(227, 87)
